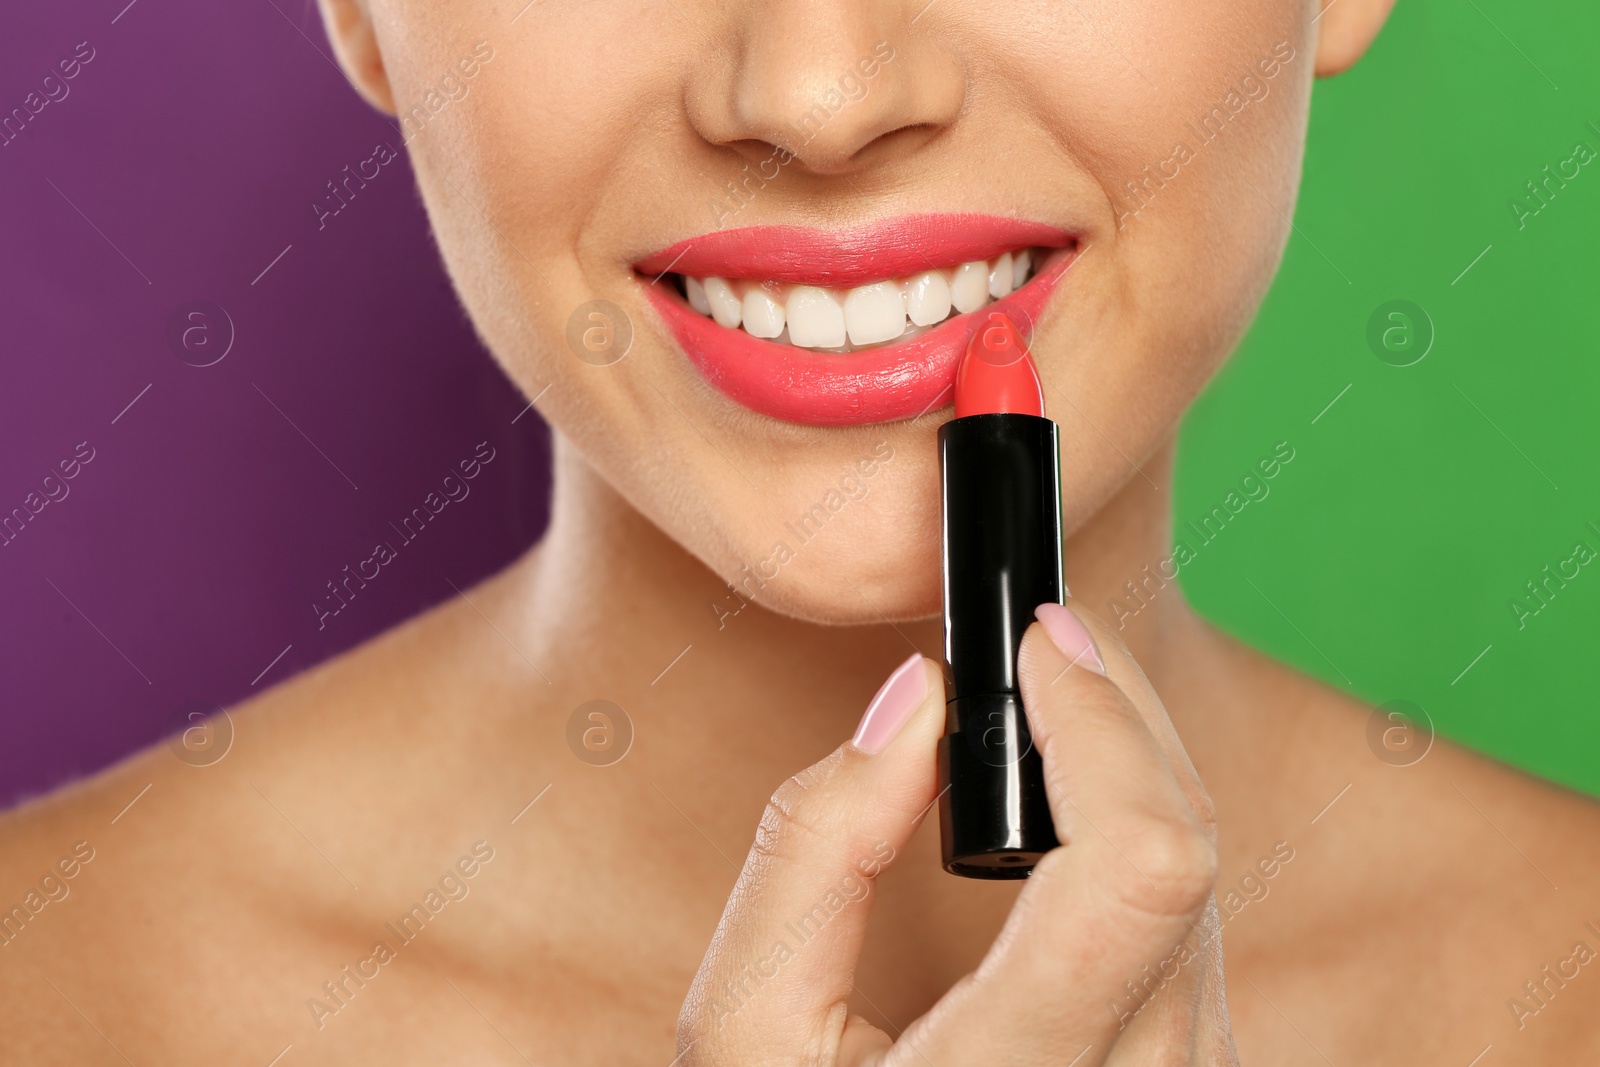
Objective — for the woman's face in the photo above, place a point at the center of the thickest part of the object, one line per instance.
(571, 152)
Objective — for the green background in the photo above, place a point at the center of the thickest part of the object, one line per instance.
(1387, 554)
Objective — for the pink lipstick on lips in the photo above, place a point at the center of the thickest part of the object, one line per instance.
(884, 382)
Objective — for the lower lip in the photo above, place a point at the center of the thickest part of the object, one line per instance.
(899, 381)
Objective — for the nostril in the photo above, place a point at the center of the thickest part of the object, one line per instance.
(752, 153)
(897, 143)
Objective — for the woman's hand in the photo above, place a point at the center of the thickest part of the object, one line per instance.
(1112, 953)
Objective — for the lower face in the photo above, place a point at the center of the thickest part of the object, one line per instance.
(799, 218)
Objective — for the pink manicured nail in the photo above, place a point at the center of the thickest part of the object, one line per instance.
(1070, 636)
(893, 705)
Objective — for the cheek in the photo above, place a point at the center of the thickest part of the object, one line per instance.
(1194, 214)
(556, 124)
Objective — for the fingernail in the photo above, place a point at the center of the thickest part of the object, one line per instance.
(1069, 636)
(893, 705)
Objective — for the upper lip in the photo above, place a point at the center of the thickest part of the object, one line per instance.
(843, 259)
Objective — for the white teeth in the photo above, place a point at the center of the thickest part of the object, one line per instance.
(874, 313)
(763, 316)
(844, 320)
(969, 290)
(696, 292)
(815, 318)
(724, 302)
(1000, 278)
(928, 298)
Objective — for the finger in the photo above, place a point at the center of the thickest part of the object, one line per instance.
(1115, 795)
(1177, 1009)
(779, 971)
(1134, 873)
(1123, 669)
(1170, 1002)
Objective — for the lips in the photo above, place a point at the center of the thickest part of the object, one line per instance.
(895, 380)
(843, 259)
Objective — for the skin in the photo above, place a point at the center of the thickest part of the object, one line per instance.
(1419, 899)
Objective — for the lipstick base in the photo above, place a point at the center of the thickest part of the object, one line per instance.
(994, 816)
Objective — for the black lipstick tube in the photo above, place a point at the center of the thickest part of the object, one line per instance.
(1001, 509)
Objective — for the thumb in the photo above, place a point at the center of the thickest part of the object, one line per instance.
(775, 982)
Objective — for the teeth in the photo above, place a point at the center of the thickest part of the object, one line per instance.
(969, 291)
(928, 298)
(763, 316)
(724, 302)
(695, 290)
(844, 320)
(1000, 278)
(815, 318)
(874, 313)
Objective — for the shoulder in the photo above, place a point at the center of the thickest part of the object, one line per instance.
(189, 880)
(340, 725)
(1438, 899)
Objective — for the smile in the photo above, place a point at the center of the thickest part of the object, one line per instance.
(843, 327)
(836, 320)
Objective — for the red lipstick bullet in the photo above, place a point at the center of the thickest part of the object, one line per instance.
(997, 376)
(999, 464)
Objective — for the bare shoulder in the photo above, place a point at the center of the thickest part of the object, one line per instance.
(1436, 903)
(193, 896)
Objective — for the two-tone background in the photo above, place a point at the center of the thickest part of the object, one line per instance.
(265, 388)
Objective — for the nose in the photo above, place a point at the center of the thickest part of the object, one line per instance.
(839, 84)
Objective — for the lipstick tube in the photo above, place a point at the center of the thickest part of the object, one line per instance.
(999, 462)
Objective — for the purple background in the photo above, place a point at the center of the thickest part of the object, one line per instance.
(187, 554)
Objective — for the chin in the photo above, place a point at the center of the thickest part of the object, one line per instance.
(876, 559)
(831, 600)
